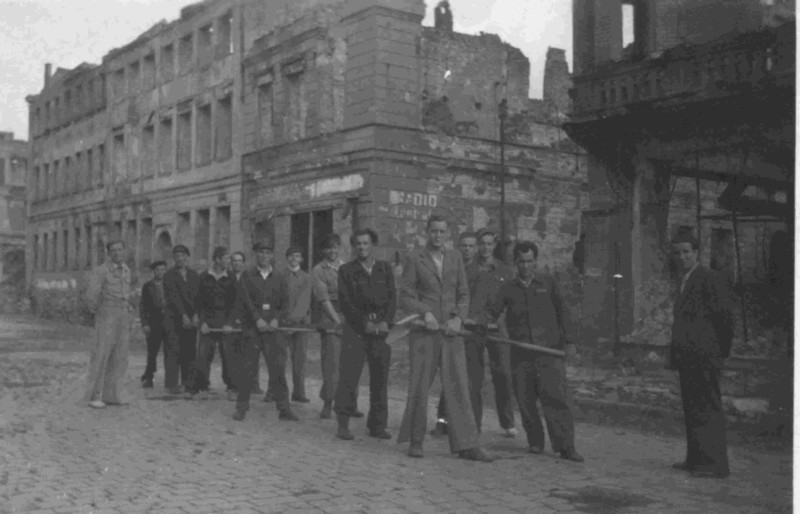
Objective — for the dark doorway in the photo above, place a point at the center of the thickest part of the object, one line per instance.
(307, 231)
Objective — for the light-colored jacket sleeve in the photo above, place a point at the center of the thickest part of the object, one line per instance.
(409, 300)
(462, 292)
(95, 288)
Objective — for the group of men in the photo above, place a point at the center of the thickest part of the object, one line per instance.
(247, 313)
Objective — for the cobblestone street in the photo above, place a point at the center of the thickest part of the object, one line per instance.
(162, 454)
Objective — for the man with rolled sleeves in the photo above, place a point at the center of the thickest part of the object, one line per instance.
(260, 303)
(180, 286)
(535, 313)
(327, 314)
(702, 334)
(434, 285)
(367, 297)
(108, 297)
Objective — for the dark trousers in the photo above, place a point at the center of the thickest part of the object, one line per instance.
(179, 353)
(246, 352)
(329, 352)
(155, 339)
(500, 368)
(544, 378)
(706, 442)
(205, 355)
(223, 344)
(377, 353)
(297, 347)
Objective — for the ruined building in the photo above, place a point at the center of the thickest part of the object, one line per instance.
(286, 120)
(13, 174)
(689, 126)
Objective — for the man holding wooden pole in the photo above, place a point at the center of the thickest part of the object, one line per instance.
(535, 313)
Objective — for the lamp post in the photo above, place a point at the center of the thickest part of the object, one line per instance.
(503, 114)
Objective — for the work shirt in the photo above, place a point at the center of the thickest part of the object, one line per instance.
(367, 296)
(216, 297)
(258, 298)
(109, 283)
(535, 312)
(485, 280)
(325, 276)
(297, 291)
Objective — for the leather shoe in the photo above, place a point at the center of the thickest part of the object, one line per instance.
(357, 414)
(97, 404)
(325, 413)
(380, 434)
(300, 399)
(709, 473)
(288, 415)
(681, 466)
(415, 450)
(476, 454)
(344, 434)
(536, 450)
(511, 433)
(439, 430)
(572, 455)
(147, 383)
(239, 415)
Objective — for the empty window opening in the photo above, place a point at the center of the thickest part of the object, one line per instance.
(165, 144)
(224, 128)
(204, 147)
(185, 140)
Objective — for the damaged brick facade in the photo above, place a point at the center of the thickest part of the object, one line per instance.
(13, 176)
(688, 128)
(390, 121)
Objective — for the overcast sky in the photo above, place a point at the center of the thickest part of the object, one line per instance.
(69, 32)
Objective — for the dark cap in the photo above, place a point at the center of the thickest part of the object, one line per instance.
(261, 245)
(156, 264)
(486, 232)
(180, 248)
(330, 241)
(294, 249)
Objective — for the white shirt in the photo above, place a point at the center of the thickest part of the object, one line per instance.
(265, 273)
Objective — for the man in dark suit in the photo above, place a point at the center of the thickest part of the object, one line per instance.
(180, 287)
(434, 285)
(702, 333)
(261, 301)
(152, 306)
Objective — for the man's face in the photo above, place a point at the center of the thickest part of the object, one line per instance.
(159, 272)
(117, 253)
(294, 259)
(237, 263)
(181, 259)
(264, 258)
(486, 246)
(331, 253)
(468, 247)
(526, 264)
(223, 261)
(363, 246)
(686, 255)
(436, 234)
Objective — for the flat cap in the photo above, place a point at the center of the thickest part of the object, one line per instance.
(180, 248)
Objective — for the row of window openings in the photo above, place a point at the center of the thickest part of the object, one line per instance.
(143, 74)
(73, 103)
(145, 71)
(166, 157)
(84, 247)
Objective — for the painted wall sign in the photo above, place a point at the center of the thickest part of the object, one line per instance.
(335, 185)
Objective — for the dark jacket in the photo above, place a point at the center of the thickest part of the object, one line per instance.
(484, 285)
(702, 329)
(216, 300)
(534, 314)
(181, 294)
(151, 307)
(367, 297)
(258, 298)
